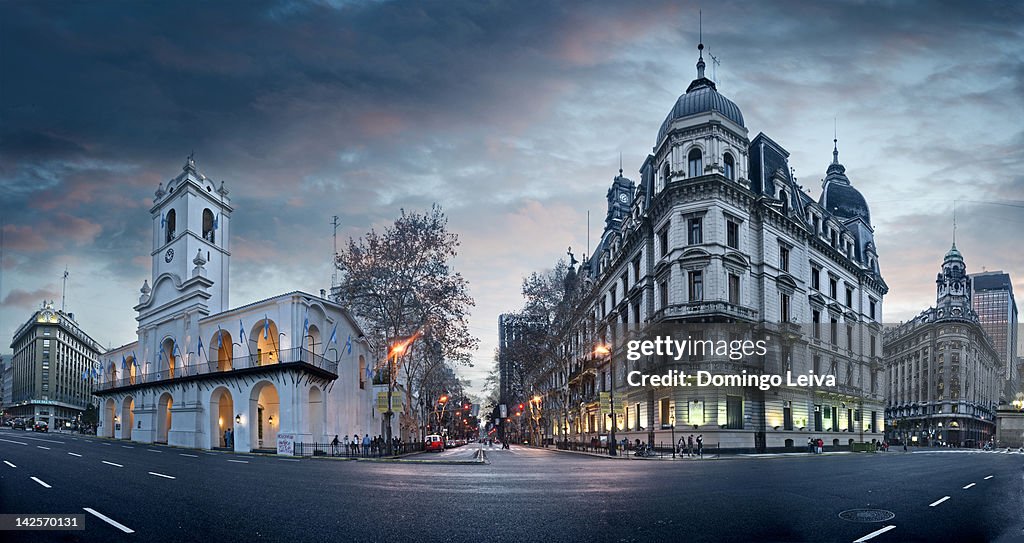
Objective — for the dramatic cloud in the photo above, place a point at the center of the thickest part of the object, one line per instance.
(512, 115)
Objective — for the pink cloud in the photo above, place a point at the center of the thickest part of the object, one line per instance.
(25, 299)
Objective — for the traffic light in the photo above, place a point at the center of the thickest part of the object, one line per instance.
(521, 407)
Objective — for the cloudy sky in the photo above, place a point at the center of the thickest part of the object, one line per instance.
(512, 115)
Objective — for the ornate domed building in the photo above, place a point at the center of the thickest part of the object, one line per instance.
(943, 375)
(718, 232)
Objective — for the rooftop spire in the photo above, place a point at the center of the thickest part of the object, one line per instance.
(620, 163)
(835, 141)
(700, 45)
(954, 224)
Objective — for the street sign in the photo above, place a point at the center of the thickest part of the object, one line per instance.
(396, 401)
(503, 410)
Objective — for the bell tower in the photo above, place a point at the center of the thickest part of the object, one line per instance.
(953, 285)
(191, 219)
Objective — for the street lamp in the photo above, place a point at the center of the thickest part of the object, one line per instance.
(398, 349)
(602, 350)
(672, 421)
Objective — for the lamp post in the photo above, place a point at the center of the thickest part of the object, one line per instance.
(672, 421)
(397, 350)
(602, 349)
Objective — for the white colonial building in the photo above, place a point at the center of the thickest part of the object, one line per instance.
(293, 364)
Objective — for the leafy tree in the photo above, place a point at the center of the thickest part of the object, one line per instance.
(400, 284)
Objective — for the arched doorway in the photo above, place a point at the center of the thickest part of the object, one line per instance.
(264, 342)
(131, 369)
(163, 417)
(316, 414)
(222, 350)
(264, 416)
(127, 417)
(109, 412)
(112, 374)
(167, 358)
(312, 340)
(222, 417)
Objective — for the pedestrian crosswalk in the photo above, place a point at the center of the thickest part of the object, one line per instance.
(969, 451)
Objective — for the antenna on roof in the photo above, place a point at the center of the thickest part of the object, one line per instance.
(714, 65)
(334, 261)
(64, 289)
(620, 163)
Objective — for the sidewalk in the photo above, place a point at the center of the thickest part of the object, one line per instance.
(713, 456)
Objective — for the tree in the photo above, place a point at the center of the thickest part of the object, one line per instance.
(401, 286)
(558, 327)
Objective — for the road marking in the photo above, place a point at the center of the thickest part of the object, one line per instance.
(874, 533)
(107, 444)
(40, 482)
(44, 440)
(239, 461)
(110, 521)
(288, 460)
(41, 447)
(10, 464)
(161, 475)
(17, 442)
(127, 447)
(989, 477)
(75, 454)
(154, 450)
(937, 502)
(112, 464)
(968, 486)
(188, 455)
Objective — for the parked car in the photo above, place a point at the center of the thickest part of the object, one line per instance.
(19, 424)
(40, 426)
(433, 443)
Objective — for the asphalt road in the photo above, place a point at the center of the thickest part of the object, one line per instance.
(169, 494)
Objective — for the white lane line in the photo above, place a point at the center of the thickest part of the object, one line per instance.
(10, 464)
(110, 521)
(154, 450)
(968, 486)
(112, 464)
(989, 477)
(161, 475)
(75, 454)
(874, 533)
(937, 502)
(41, 447)
(289, 460)
(107, 444)
(40, 482)
(239, 461)
(127, 447)
(15, 442)
(188, 455)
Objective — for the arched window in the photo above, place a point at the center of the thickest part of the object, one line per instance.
(696, 165)
(664, 172)
(169, 225)
(785, 202)
(209, 225)
(730, 167)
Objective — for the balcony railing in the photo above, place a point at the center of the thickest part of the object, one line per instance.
(705, 308)
(269, 359)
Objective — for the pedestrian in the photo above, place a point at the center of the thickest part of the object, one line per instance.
(355, 444)
(366, 444)
(334, 446)
(231, 439)
(689, 446)
(681, 445)
(904, 445)
(226, 438)
(700, 446)
(821, 445)
(810, 445)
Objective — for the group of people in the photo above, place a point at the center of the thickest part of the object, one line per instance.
(229, 438)
(691, 447)
(815, 446)
(365, 446)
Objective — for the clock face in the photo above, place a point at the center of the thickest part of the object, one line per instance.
(623, 197)
(169, 256)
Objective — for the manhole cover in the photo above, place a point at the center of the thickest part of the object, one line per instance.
(866, 515)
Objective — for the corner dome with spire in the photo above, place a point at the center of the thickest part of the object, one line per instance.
(838, 195)
(701, 96)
